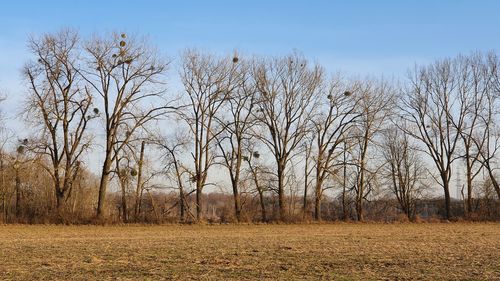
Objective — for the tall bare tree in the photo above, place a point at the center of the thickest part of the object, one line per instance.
(489, 142)
(475, 82)
(237, 123)
(337, 114)
(208, 82)
(58, 106)
(176, 172)
(489, 153)
(256, 172)
(127, 75)
(404, 169)
(433, 110)
(288, 88)
(375, 98)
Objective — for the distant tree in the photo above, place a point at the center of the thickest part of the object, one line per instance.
(403, 168)
(257, 175)
(176, 171)
(375, 99)
(435, 116)
(58, 107)
(288, 88)
(127, 75)
(489, 142)
(209, 83)
(474, 85)
(336, 115)
(236, 121)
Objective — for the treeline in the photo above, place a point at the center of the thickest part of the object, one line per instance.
(246, 139)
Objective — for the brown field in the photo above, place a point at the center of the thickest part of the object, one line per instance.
(251, 252)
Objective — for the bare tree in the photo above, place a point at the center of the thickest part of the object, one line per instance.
(127, 75)
(436, 117)
(288, 90)
(374, 103)
(208, 82)
(237, 124)
(489, 153)
(489, 142)
(474, 86)
(337, 114)
(58, 107)
(257, 171)
(404, 168)
(176, 171)
(125, 172)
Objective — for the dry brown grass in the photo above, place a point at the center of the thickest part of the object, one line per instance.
(245, 252)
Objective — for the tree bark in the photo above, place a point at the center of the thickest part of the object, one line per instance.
(447, 201)
(237, 201)
(18, 194)
(281, 190)
(59, 201)
(469, 187)
(494, 182)
(317, 201)
(139, 182)
(103, 187)
(198, 203)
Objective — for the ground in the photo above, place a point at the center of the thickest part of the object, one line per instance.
(428, 251)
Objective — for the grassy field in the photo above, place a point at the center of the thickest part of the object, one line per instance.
(251, 252)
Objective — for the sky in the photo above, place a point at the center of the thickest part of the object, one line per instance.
(384, 37)
(371, 37)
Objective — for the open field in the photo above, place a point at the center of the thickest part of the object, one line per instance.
(239, 252)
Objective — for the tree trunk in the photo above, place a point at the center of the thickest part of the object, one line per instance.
(59, 201)
(468, 208)
(139, 182)
(261, 193)
(181, 204)
(447, 198)
(198, 203)
(361, 190)
(237, 201)
(344, 185)
(494, 182)
(359, 209)
(18, 194)
(153, 205)
(317, 201)
(306, 183)
(235, 179)
(361, 182)
(496, 186)
(359, 196)
(103, 186)
(281, 195)
(344, 204)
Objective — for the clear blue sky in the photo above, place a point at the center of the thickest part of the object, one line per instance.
(359, 37)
